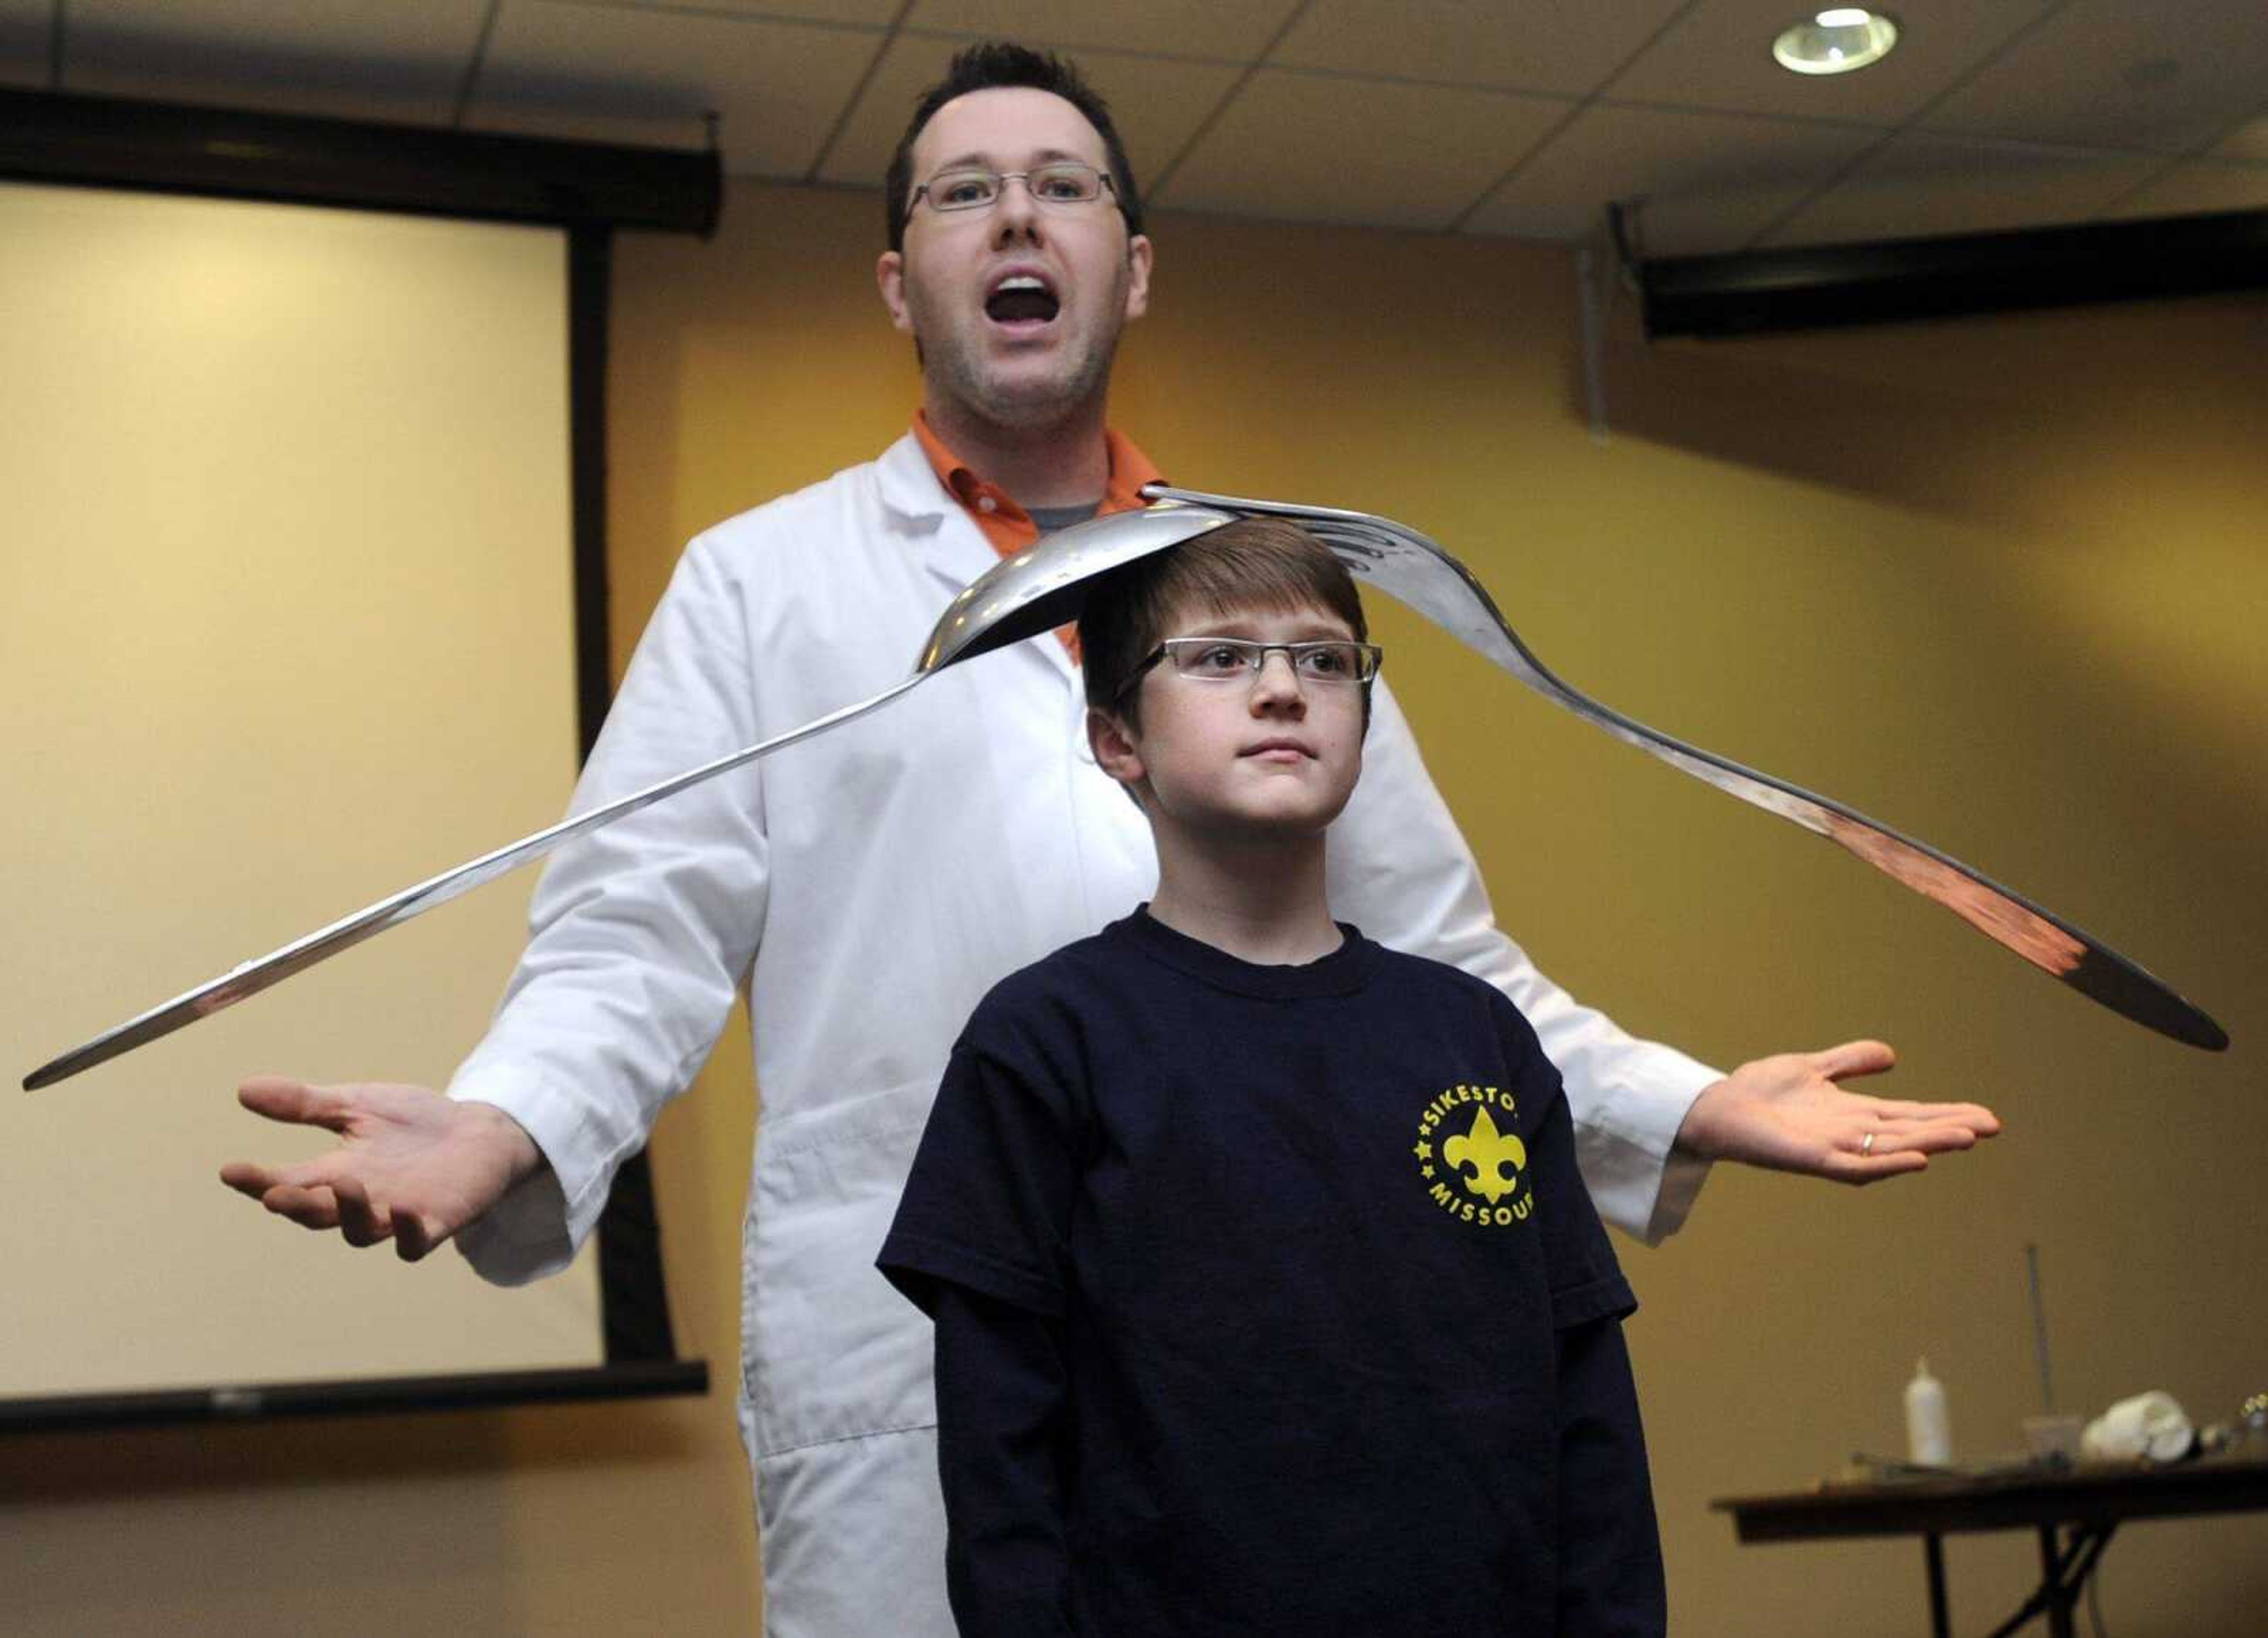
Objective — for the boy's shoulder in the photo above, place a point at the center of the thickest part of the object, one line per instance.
(1058, 985)
(1426, 974)
(1427, 993)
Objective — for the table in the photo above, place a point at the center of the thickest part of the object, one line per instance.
(2074, 1509)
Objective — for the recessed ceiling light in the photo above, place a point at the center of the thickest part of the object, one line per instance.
(1835, 41)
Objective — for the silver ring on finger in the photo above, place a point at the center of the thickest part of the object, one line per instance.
(1867, 1144)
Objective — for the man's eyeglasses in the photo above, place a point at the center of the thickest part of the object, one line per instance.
(1063, 183)
(1241, 659)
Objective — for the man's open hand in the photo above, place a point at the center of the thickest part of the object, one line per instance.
(411, 1167)
(1789, 1114)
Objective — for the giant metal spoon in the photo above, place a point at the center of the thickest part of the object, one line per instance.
(1020, 597)
(1039, 588)
(1417, 571)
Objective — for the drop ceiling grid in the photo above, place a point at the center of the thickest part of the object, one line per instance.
(1936, 176)
(1199, 29)
(1557, 47)
(1381, 152)
(2200, 188)
(613, 74)
(2216, 174)
(1922, 184)
(2158, 76)
(401, 62)
(1718, 55)
(1703, 183)
(1337, 110)
(1157, 105)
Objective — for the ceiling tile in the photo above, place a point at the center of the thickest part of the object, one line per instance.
(25, 29)
(1918, 185)
(1718, 56)
(2198, 187)
(2247, 141)
(1709, 183)
(2142, 74)
(1566, 47)
(1393, 115)
(341, 58)
(617, 74)
(874, 14)
(1157, 106)
(1175, 28)
(1331, 149)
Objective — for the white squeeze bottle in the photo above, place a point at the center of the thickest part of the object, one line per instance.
(1929, 1433)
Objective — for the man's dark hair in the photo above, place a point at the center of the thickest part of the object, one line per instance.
(986, 67)
(1258, 562)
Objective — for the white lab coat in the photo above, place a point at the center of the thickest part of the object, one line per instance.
(870, 885)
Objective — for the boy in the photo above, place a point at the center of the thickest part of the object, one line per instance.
(1267, 1298)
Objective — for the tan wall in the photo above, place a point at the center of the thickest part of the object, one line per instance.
(1995, 582)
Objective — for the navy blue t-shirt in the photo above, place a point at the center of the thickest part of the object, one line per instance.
(1304, 1248)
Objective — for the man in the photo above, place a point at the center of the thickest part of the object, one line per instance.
(870, 885)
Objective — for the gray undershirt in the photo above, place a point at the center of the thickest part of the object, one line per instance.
(1051, 519)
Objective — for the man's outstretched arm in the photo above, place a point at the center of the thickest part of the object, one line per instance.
(410, 1166)
(1790, 1112)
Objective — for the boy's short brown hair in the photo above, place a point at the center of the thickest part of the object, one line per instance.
(1261, 563)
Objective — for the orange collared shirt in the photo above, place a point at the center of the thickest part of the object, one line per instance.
(1008, 525)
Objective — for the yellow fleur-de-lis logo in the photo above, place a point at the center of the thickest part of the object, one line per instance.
(1496, 1159)
(1488, 1185)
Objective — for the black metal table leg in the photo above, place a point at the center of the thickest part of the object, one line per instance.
(2060, 1595)
(1940, 1623)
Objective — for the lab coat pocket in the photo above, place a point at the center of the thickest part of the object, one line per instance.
(830, 1349)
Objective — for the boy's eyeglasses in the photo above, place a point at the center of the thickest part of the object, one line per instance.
(1065, 182)
(1241, 659)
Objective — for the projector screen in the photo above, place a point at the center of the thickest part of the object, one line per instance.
(286, 623)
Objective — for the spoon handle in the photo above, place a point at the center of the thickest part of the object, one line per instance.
(273, 968)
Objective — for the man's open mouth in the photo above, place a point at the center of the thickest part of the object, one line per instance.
(1020, 299)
